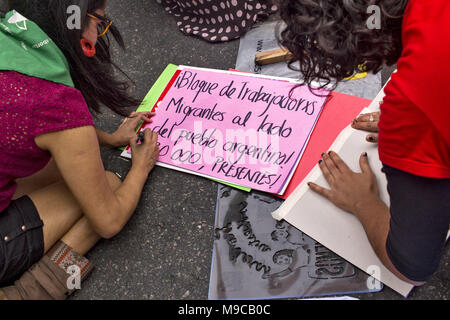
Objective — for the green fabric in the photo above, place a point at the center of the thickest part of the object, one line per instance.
(26, 49)
(152, 97)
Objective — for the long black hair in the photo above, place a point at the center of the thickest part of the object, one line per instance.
(94, 77)
(331, 39)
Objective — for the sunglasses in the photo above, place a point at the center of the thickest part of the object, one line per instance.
(104, 26)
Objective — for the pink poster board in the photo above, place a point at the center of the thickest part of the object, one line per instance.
(234, 127)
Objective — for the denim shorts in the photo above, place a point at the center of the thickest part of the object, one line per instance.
(21, 239)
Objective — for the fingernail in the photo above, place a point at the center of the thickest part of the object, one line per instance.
(320, 161)
(371, 138)
(323, 154)
(329, 153)
(365, 154)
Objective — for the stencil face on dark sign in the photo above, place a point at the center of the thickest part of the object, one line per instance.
(256, 256)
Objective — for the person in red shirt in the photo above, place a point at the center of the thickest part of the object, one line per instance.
(331, 39)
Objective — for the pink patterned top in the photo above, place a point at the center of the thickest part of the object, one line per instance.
(30, 107)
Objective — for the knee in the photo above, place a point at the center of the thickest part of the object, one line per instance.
(113, 180)
(410, 269)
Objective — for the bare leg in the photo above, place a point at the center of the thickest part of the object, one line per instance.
(61, 212)
(82, 237)
(62, 217)
(47, 176)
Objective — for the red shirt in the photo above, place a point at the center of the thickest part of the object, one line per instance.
(415, 115)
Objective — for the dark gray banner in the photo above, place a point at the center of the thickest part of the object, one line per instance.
(257, 257)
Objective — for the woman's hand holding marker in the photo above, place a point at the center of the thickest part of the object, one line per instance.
(146, 153)
(126, 131)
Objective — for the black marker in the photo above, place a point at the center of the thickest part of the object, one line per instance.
(141, 136)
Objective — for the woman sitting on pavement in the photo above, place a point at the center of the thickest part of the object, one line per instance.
(56, 200)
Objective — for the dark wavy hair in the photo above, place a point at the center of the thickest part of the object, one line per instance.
(94, 77)
(331, 39)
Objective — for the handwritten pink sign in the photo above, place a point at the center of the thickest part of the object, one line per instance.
(234, 127)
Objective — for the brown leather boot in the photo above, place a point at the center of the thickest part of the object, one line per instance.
(43, 281)
(48, 279)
